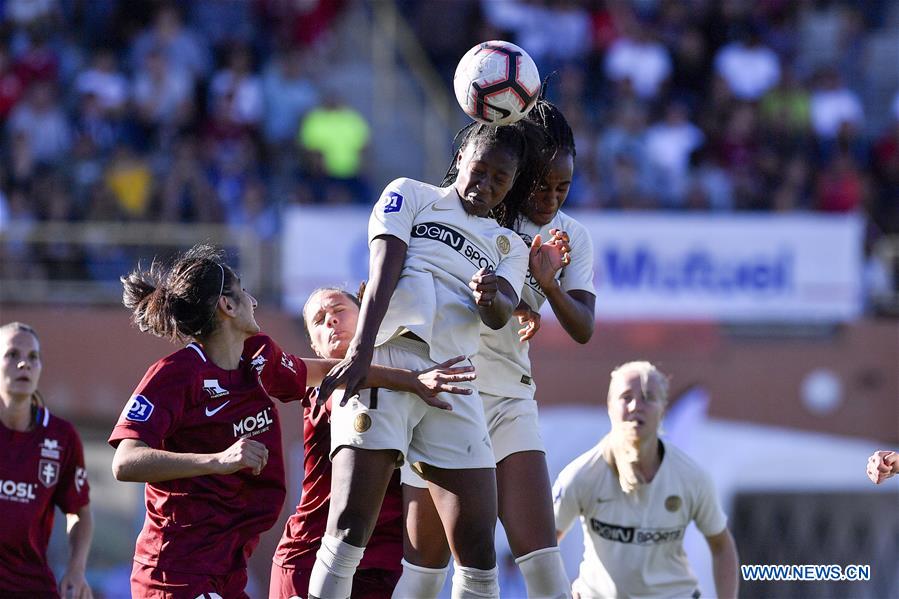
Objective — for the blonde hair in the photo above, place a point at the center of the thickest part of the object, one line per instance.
(624, 457)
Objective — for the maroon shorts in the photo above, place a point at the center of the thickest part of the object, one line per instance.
(369, 583)
(152, 583)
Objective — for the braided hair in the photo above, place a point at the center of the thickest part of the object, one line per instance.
(550, 119)
(530, 147)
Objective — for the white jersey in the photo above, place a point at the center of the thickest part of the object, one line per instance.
(446, 247)
(633, 545)
(502, 363)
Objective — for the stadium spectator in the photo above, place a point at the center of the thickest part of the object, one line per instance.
(41, 120)
(104, 81)
(748, 66)
(340, 135)
(130, 181)
(44, 460)
(841, 186)
(239, 88)
(187, 195)
(288, 94)
(163, 93)
(834, 106)
(635, 496)
(639, 60)
(11, 85)
(669, 144)
(180, 47)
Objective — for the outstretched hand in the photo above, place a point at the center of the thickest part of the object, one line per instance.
(548, 258)
(529, 321)
(440, 379)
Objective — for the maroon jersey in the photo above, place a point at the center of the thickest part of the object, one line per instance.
(39, 470)
(186, 404)
(304, 529)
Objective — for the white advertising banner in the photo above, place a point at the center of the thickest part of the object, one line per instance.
(735, 267)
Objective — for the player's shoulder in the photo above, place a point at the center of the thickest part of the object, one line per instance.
(189, 359)
(686, 467)
(568, 223)
(52, 424)
(587, 465)
(259, 344)
(413, 190)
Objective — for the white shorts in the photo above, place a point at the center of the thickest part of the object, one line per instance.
(513, 425)
(385, 419)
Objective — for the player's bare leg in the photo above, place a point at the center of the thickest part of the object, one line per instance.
(358, 483)
(425, 550)
(529, 523)
(466, 502)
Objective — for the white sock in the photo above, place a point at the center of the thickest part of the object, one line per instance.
(544, 574)
(419, 582)
(472, 583)
(335, 564)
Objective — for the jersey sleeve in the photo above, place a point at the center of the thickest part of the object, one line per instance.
(72, 491)
(514, 266)
(566, 503)
(156, 406)
(707, 512)
(394, 211)
(578, 276)
(282, 375)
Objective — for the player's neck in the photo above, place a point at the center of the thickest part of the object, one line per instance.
(224, 347)
(649, 458)
(15, 413)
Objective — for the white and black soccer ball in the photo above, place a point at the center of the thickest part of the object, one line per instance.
(497, 83)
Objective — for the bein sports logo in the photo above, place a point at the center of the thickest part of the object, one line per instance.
(138, 409)
(635, 536)
(697, 271)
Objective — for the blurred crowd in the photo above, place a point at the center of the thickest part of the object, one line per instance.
(218, 111)
(766, 105)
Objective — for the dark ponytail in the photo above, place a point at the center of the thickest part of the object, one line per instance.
(180, 302)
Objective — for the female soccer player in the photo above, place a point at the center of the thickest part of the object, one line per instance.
(507, 389)
(203, 431)
(42, 467)
(330, 316)
(635, 496)
(440, 265)
(882, 465)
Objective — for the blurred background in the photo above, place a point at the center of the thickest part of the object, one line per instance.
(738, 168)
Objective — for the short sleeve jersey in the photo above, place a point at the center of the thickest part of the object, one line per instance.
(304, 530)
(633, 544)
(41, 469)
(446, 246)
(502, 363)
(186, 404)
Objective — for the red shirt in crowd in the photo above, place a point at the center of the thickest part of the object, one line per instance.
(304, 529)
(186, 404)
(40, 469)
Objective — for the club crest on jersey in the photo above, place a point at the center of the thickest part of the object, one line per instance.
(288, 364)
(138, 409)
(503, 244)
(672, 503)
(258, 363)
(212, 387)
(80, 478)
(48, 472)
(50, 449)
(393, 202)
(362, 422)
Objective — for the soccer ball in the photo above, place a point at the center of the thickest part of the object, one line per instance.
(496, 83)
